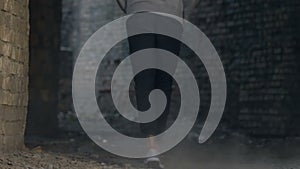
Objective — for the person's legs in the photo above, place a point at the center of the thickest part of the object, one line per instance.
(163, 80)
(147, 80)
(151, 79)
(144, 81)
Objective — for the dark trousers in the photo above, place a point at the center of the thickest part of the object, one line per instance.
(151, 79)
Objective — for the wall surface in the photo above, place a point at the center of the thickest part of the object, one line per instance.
(13, 72)
(80, 19)
(258, 42)
(45, 18)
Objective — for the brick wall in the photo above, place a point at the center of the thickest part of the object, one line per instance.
(258, 42)
(13, 72)
(80, 19)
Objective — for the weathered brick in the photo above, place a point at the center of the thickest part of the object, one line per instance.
(12, 113)
(13, 128)
(16, 9)
(1, 81)
(11, 143)
(15, 54)
(1, 63)
(13, 73)
(5, 34)
(6, 48)
(1, 5)
(7, 5)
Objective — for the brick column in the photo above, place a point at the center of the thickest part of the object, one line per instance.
(13, 73)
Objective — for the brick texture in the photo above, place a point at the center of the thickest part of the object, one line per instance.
(258, 42)
(13, 72)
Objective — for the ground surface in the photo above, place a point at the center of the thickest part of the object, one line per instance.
(225, 152)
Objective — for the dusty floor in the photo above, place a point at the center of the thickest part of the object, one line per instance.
(226, 152)
(49, 160)
(64, 154)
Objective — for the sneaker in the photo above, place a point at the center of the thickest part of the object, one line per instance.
(153, 161)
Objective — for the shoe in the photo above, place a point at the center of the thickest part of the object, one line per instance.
(153, 161)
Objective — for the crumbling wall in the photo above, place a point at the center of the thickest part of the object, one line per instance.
(13, 72)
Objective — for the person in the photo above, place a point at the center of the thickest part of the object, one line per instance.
(173, 7)
(151, 79)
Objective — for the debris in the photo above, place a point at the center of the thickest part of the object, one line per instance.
(37, 149)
